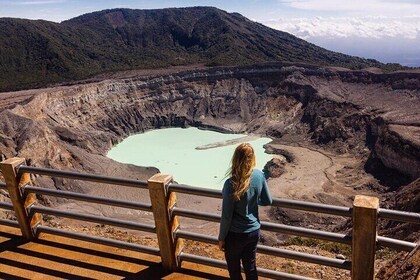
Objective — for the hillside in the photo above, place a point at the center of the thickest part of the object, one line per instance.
(34, 53)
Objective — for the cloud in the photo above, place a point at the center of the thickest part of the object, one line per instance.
(377, 6)
(343, 27)
(383, 37)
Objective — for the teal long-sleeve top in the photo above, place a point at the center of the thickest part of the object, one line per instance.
(242, 216)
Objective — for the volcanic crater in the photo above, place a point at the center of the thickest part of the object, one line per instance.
(336, 133)
(371, 119)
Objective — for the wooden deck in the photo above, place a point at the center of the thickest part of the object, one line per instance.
(53, 257)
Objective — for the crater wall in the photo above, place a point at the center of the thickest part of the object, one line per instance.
(337, 109)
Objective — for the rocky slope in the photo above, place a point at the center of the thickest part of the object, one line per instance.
(347, 111)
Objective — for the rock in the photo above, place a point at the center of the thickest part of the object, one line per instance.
(340, 257)
(402, 267)
(274, 168)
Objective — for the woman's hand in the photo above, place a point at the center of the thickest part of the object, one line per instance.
(221, 245)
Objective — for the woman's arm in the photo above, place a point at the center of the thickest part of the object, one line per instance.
(227, 211)
(265, 197)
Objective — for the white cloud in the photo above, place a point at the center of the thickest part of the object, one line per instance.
(386, 38)
(343, 27)
(375, 6)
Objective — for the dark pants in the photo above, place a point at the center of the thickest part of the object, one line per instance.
(242, 246)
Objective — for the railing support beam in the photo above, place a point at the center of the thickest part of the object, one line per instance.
(165, 226)
(20, 203)
(365, 215)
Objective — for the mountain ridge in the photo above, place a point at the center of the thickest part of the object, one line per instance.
(37, 52)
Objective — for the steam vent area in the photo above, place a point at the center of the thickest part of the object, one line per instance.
(100, 179)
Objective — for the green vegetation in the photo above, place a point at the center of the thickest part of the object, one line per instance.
(335, 248)
(384, 253)
(37, 53)
(47, 218)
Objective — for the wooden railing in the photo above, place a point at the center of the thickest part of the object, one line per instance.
(364, 214)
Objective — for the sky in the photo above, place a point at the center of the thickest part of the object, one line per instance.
(386, 30)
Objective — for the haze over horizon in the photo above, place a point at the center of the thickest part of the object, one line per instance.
(386, 30)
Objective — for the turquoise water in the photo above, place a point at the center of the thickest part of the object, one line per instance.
(172, 150)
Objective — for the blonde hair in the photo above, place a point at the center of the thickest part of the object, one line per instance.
(243, 162)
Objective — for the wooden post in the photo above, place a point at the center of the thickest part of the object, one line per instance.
(365, 215)
(165, 227)
(20, 204)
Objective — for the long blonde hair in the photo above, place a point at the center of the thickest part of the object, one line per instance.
(243, 162)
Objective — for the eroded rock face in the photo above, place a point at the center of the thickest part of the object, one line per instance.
(402, 267)
(405, 198)
(274, 168)
(397, 150)
(335, 108)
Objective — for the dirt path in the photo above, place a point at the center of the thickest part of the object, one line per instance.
(318, 176)
(306, 175)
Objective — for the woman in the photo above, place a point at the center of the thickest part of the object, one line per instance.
(240, 225)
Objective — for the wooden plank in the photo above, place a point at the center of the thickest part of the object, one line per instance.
(165, 226)
(365, 216)
(20, 203)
